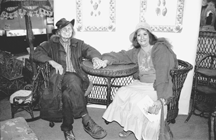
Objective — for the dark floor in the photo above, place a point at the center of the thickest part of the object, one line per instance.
(195, 129)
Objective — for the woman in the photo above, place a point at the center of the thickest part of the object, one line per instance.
(155, 59)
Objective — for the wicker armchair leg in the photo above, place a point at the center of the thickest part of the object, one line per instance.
(13, 110)
(51, 124)
(30, 111)
(212, 126)
(189, 115)
(193, 104)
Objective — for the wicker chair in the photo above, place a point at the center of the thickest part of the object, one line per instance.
(206, 44)
(11, 78)
(30, 101)
(178, 78)
(204, 90)
(27, 98)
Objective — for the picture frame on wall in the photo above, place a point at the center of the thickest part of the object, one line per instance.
(162, 15)
(96, 15)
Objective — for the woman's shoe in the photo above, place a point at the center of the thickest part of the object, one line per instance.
(124, 134)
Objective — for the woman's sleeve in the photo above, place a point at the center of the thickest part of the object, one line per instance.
(161, 59)
(89, 52)
(122, 57)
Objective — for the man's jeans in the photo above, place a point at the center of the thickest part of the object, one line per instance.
(74, 102)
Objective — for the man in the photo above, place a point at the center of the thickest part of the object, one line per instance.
(67, 82)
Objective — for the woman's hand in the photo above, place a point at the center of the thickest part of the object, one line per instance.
(98, 63)
(104, 64)
(155, 108)
(57, 66)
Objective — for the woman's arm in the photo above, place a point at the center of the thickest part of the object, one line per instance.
(89, 52)
(122, 57)
(162, 66)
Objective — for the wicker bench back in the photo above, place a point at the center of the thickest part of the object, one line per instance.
(206, 44)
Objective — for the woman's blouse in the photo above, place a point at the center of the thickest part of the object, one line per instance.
(146, 68)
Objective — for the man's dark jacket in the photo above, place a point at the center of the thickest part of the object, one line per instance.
(50, 100)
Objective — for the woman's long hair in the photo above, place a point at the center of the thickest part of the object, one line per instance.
(152, 39)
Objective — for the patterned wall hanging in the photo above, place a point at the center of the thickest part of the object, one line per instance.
(96, 15)
(162, 15)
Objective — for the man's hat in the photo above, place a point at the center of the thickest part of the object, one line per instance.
(62, 23)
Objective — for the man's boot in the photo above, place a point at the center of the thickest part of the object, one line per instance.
(92, 128)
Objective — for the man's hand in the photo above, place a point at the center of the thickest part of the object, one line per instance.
(57, 66)
(98, 63)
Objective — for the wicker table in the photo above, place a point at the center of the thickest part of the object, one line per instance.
(110, 73)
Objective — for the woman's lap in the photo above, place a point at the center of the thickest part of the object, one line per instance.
(124, 109)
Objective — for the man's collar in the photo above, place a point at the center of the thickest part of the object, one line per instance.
(65, 43)
(56, 39)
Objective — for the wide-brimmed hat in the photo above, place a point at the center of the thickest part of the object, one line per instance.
(141, 25)
(62, 23)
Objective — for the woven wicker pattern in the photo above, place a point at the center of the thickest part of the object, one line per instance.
(113, 71)
(178, 78)
(206, 44)
(11, 78)
(204, 87)
(119, 75)
(208, 62)
(99, 92)
(12, 68)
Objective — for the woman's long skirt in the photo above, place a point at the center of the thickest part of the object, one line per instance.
(124, 110)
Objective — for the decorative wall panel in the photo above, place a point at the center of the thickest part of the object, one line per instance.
(162, 15)
(95, 15)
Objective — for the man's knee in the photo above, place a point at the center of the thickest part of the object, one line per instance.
(71, 80)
